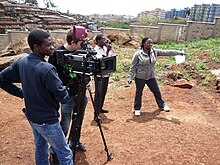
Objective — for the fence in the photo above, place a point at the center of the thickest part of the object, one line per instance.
(164, 32)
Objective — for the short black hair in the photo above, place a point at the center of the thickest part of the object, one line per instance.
(37, 37)
(99, 37)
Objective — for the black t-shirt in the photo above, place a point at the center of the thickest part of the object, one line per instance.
(71, 83)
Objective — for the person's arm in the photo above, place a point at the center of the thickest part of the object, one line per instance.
(54, 85)
(89, 86)
(109, 51)
(7, 77)
(161, 52)
(133, 68)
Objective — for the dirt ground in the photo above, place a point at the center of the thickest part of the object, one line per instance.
(189, 134)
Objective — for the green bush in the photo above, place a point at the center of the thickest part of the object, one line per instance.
(116, 25)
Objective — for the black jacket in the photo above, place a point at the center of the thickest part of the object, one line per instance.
(73, 84)
(41, 87)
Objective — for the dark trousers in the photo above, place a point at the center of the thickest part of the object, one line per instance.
(79, 119)
(154, 88)
(69, 109)
(101, 86)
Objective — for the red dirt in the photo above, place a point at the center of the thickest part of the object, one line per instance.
(189, 134)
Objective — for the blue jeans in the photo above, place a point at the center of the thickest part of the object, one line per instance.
(154, 88)
(66, 116)
(52, 134)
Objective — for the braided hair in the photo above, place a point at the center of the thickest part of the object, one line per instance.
(143, 41)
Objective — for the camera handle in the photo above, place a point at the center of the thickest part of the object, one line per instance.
(98, 120)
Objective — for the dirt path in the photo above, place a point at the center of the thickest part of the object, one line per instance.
(189, 134)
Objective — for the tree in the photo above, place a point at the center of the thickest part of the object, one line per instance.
(49, 4)
(148, 19)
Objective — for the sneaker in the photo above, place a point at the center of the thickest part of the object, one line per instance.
(54, 159)
(137, 112)
(166, 108)
(103, 111)
(80, 147)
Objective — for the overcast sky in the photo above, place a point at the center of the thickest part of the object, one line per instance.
(122, 7)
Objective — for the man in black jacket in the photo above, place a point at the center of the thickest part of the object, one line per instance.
(41, 90)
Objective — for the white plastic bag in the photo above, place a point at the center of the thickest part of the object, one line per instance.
(180, 59)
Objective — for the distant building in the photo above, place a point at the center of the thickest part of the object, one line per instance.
(201, 13)
(112, 18)
(204, 12)
(214, 12)
(173, 13)
(158, 13)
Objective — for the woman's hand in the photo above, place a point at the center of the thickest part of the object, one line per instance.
(183, 53)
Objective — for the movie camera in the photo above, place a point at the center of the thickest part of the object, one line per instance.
(84, 61)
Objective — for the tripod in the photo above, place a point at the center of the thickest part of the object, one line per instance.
(75, 127)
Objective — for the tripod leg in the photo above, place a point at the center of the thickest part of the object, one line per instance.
(75, 128)
(98, 120)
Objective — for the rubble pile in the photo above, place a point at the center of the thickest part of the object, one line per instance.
(124, 39)
(26, 17)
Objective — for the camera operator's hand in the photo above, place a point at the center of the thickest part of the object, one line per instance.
(89, 86)
(109, 48)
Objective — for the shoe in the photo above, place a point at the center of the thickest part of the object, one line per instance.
(54, 159)
(137, 112)
(53, 156)
(80, 147)
(23, 110)
(97, 118)
(103, 111)
(166, 108)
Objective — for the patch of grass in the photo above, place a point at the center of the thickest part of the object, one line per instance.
(115, 77)
(201, 66)
(215, 55)
(122, 66)
(208, 82)
(117, 25)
